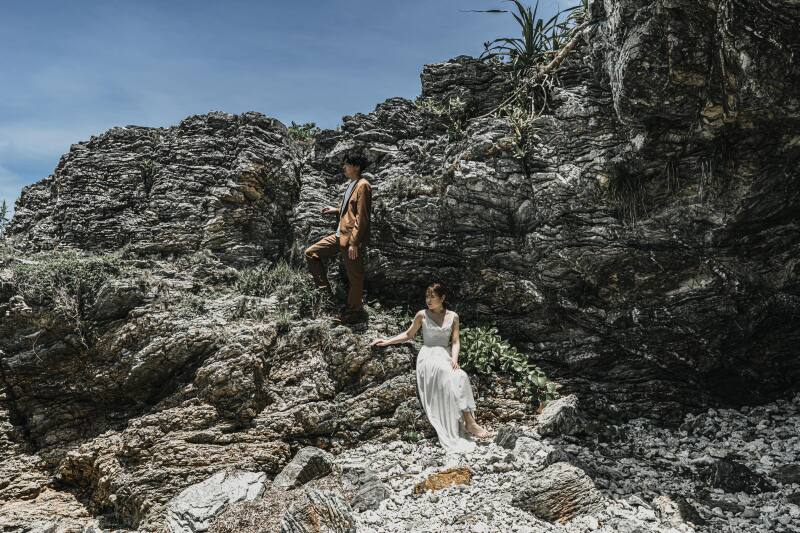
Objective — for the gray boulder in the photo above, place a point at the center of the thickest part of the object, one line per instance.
(115, 299)
(525, 446)
(309, 463)
(732, 476)
(559, 493)
(370, 495)
(194, 509)
(560, 417)
(367, 489)
(319, 511)
(507, 436)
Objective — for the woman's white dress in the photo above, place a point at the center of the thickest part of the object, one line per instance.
(444, 392)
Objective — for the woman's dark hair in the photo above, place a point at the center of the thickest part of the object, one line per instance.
(356, 159)
(439, 290)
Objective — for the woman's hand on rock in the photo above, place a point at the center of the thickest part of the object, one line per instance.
(379, 342)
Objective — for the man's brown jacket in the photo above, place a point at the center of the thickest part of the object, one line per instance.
(354, 222)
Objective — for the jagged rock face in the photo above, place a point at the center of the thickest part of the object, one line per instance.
(481, 86)
(643, 252)
(220, 182)
(643, 249)
(160, 391)
(166, 397)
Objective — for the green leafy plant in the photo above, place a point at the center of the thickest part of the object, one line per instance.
(539, 38)
(195, 304)
(292, 287)
(303, 132)
(521, 121)
(483, 351)
(66, 284)
(283, 320)
(454, 111)
(411, 436)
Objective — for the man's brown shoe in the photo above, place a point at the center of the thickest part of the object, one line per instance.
(351, 318)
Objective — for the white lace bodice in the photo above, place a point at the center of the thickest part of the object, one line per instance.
(435, 335)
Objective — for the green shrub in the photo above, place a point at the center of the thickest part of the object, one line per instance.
(483, 351)
(454, 112)
(283, 320)
(66, 283)
(292, 287)
(147, 172)
(195, 304)
(49, 280)
(303, 132)
(411, 436)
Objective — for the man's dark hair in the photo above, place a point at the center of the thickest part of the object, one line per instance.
(356, 159)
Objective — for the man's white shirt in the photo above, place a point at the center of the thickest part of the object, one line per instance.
(345, 198)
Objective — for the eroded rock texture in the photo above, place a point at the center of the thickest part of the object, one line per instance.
(560, 492)
(218, 181)
(642, 250)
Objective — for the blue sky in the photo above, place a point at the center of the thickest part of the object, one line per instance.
(74, 69)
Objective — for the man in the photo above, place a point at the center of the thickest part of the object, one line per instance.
(352, 235)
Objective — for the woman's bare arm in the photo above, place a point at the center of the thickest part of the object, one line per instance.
(455, 340)
(405, 336)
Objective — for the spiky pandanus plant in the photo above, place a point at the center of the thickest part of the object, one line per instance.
(539, 38)
(529, 49)
(533, 56)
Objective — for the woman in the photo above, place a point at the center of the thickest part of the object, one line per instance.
(444, 388)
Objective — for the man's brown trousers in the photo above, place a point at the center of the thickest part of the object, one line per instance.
(325, 249)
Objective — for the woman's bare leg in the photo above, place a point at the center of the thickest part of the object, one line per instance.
(473, 427)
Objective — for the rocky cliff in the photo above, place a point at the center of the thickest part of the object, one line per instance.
(642, 249)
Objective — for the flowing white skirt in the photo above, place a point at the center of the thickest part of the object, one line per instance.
(445, 393)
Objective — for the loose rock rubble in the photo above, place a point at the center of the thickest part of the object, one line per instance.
(649, 477)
